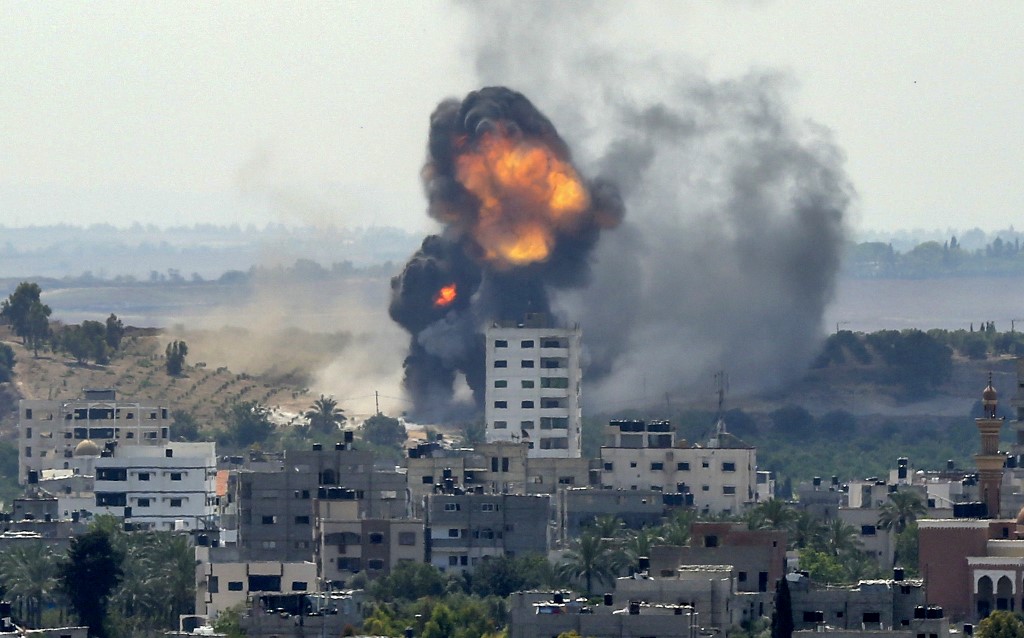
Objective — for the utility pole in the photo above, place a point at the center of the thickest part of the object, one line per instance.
(376, 401)
(722, 379)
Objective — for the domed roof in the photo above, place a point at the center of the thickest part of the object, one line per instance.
(87, 448)
(989, 393)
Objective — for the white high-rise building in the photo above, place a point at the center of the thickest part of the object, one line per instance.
(533, 387)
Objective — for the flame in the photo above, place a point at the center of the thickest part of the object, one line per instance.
(445, 296)
(526, 194)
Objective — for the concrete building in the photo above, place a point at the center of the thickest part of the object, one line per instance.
(466, 528)
(48, 431)
(172, 486)
(578, 507)
(533, 614)
(276, 504)
(348, 544)
(721, 476)
(876, 605)
(710, 590)
(503, 467)
(224, 579)
(533, 387)
(758, 556)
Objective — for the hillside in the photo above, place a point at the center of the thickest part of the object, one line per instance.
(138, 373)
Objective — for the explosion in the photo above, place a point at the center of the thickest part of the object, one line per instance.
(518, 218)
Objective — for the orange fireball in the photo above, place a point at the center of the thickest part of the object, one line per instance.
(445, 296)
(526, 194)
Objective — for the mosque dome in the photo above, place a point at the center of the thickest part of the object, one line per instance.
(87, 448)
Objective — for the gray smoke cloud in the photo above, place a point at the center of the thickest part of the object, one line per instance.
(729, 255)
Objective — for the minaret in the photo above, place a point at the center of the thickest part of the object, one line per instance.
(989, 461)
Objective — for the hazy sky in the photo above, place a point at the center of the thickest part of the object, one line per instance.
(239, 112)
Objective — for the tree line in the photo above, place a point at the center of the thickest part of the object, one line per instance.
(935, 259)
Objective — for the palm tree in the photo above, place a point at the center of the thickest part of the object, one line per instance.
(29, 573)
(607, 526)
(902, 509)
(639, 543)
(771, 514)
(676, 531)
(839, 538)
(324, 415)
(805, 531)
(592, 558)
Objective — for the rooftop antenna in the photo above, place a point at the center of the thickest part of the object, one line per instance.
(722, 379)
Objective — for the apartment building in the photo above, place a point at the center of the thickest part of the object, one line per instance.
(533, 387)
(463, 529)
(638, 455)
(49, 431)
(163, 488)
(348, 544)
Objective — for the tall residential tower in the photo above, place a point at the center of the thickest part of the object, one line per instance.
(533, 387)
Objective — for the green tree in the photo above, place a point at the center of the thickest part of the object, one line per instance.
(384, 430)
(771, 514)
(6, 363)
(822, 566)
(676, 530)
(805, 531)
(607, 526)
(591, 558)
(249, 423)
(503, 575)
(176, 353)
(839, 538)
(1001, 624)
(906, 553)
(409, 580)
(27, 315)
(114, 332)
(89, 575)
(902, 509)
(28, 573)
(229, 622)
(782, 617)
(184, 426)
(324, 415)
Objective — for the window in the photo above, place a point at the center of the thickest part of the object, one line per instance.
(527, 343)
(501, 343)
(501, 363)
(710, 541)
(656, 467)
(453, 533)
(213, 585)
(728, 467)
(234, 585)
(349, 564)
(705, 488)
(375, 563)
(554, 423)
(527, 404)
(302, 520)
(453, 561)
(28, 416)
(872, 617)
(500, 425)
(269, 520)
(143, 476)
(142, 502)
(683, 467)
(452, 507)
(501, 383)
(526, 425)
(500, 404)
(175, 502)
(527, 383)
(608, 467)
(299, 585)
(867, 530)
(526, 363)
(632, 464)
(566, 480)
(741, 577)
(705, 463)
(554, 443)
(554, 382)
(376, 538)
(728, 489)
(428, 480)
(28, 431)
(504, 464)
(550, 343)
(111, 499)
(111, 474)
(175, 476)
(487, 507)
(406, 538)
(28, 452)
(550, 403)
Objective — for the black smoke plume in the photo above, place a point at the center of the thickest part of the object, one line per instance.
(447, 336)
